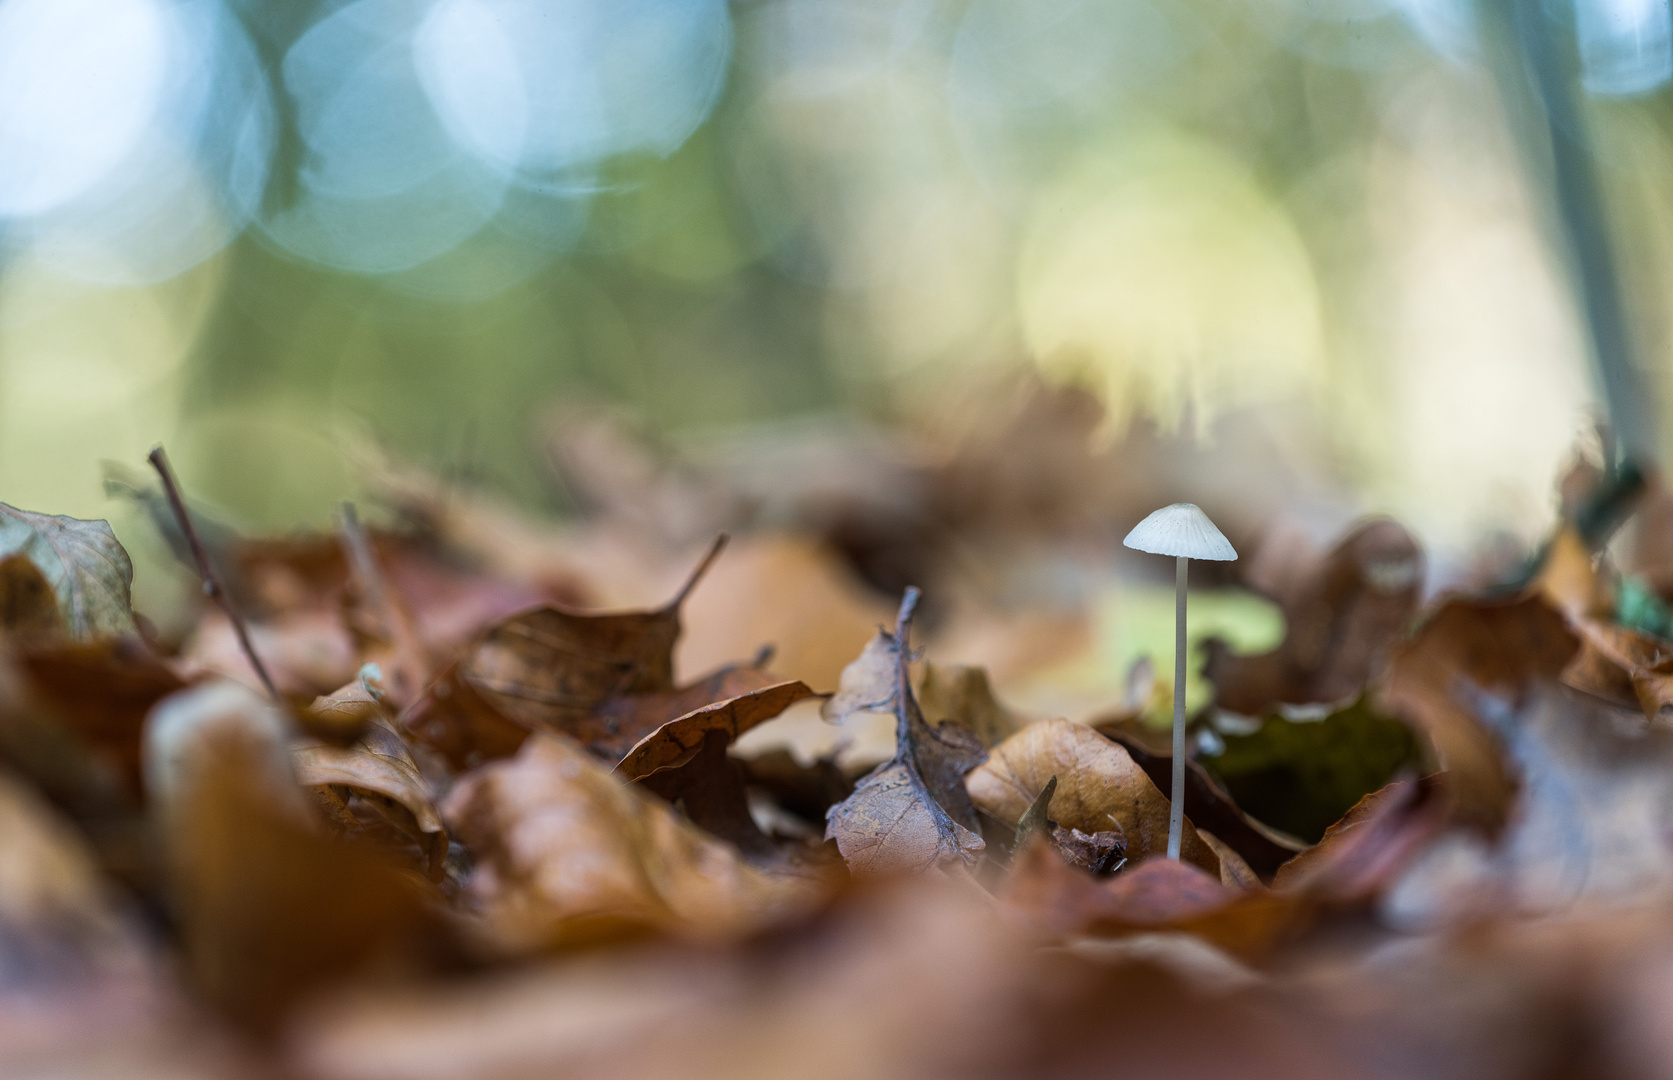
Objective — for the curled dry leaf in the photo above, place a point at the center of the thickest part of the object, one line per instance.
(677, 742)
(1469, 658)
(912, 812)
(88, 571)
(685, 760)
(375, 789)
(1098, 784)
(268, 907)
(567, 852)
(1342, 621)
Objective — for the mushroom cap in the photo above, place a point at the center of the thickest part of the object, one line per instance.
(1181, 529)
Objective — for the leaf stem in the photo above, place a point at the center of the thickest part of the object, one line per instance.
(211, 583)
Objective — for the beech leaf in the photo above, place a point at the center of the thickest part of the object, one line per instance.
(1099, 788)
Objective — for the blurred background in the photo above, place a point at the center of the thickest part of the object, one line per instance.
(1286, 249)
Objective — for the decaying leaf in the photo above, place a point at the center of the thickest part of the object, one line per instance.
(685, 760)
(912, 812)
(1623, 665)
(89, 572)
(567, 852)
(1099, 787)
(268, 907)
(1342, 621)
(1471, 658)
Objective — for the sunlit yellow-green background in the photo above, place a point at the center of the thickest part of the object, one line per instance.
(256, 231)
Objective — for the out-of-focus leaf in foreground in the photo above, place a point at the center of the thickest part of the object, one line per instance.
(89, 572)
(269, 907)
(568, 852)
(1471, 660)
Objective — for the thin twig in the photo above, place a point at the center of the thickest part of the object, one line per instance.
(211, 583)
(702, 568)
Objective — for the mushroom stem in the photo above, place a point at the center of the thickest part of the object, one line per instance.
(1176, 798)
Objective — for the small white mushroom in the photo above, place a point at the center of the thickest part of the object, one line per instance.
(1183, 531)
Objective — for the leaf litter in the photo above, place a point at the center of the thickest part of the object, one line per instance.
(481, 826)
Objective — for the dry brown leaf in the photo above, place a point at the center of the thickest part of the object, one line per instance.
(372, 787)
(1622, 665)
(1098, 783)
(566, 852)
(1441, 680)
(268, 907)
(307, 652)
(913, 811)
(552, 669)
(1342, 622)
(677, 742)
(685, 760)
